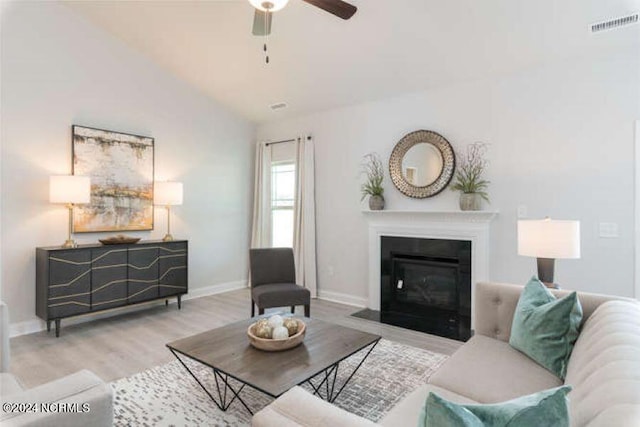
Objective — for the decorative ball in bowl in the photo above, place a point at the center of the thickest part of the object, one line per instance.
(276, 333)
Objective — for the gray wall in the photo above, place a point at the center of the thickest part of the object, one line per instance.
(562, 144)
(58, 70)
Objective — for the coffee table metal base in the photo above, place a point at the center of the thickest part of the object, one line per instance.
(328, 382)
(330, 375)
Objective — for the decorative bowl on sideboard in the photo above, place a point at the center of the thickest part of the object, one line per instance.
(268, 344)
(119, 240)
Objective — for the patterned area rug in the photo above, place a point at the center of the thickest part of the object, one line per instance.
(168, 396)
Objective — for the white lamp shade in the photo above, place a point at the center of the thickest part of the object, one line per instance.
(547, 238)
(69, 189)
(167, 193)
(269, 5)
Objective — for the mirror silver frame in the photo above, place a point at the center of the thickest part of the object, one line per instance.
(404, 145)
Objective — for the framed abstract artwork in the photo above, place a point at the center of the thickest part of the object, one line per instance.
(120, 166)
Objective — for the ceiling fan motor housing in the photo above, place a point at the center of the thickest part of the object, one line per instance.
(269, 5)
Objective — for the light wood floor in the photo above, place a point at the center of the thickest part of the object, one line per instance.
(123, 345)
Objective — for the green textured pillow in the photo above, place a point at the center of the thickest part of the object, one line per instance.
(545, 408)
(545, 328)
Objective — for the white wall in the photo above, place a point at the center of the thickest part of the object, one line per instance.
(561, 144)
(58, 70)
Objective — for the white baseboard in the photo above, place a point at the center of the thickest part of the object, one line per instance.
(26, 327)
(37, 325)
(343, 298)
(216, 289)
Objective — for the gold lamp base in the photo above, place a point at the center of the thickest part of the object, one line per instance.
(70, 244)
(167, 238)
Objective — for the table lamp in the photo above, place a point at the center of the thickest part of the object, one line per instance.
(168, 194)
(69, 190)
(548, 239)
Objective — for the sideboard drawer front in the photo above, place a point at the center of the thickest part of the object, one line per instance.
(143, 273)
(69, 306)
(173, 269)
(108, 278)
(69, 274)
(93, 277)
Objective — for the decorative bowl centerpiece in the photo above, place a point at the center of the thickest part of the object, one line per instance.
(119, 240)
(276, 333)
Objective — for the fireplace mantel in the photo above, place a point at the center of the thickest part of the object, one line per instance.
(474, 226)
(438, 216)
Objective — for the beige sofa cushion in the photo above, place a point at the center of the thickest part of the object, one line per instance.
(297, 407)
(407, 411)
(496, 302)
(490, 371)
(78, 388)
(604, 369)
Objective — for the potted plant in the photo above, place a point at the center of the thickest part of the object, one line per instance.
(468, 178)
(374, 171)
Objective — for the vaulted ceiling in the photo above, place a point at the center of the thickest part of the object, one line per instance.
(388, 48)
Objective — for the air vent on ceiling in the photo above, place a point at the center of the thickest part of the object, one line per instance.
(278, 106)
(614, 23)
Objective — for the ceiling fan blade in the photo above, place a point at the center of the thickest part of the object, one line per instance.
(339, 8)
(262, 23)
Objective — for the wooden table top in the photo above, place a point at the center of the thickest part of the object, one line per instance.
(227, 349)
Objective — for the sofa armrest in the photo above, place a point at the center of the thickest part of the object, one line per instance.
(495, 304)
(4, 337)
(77, 400)
(297, 407)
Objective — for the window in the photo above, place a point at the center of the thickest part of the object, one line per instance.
(283, 188)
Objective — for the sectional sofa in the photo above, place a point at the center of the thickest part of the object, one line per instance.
(604, 369)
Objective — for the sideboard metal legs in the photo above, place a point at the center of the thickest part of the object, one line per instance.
(178, 298)
(57, 322)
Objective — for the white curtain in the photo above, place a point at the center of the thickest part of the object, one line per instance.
(304, 217)
(261, 226)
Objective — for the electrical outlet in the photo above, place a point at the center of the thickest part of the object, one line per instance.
(608, 230)
(522, 211)
(330, 271)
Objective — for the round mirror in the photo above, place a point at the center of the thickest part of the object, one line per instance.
(422, 164)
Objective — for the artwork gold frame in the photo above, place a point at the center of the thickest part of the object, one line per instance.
(121, 168)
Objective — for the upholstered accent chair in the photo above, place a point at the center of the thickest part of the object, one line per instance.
(273, 281)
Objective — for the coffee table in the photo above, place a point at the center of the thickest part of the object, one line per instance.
(226, 350)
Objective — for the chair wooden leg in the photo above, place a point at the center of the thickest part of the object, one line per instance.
(260, 311)
(307, 310)
(253, 309)
(293, 309)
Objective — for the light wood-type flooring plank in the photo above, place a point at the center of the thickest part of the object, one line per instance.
(125, 344)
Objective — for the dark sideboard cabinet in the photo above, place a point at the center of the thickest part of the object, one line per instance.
(93, 278)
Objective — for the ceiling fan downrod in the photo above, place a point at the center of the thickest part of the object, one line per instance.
(266, 36)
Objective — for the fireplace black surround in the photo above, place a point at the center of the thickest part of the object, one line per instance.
(426, 285)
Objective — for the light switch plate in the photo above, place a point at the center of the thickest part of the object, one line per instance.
(522, 211)
(608, 230)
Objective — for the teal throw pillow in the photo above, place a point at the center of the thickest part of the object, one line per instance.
(545, 408)
(546, 328)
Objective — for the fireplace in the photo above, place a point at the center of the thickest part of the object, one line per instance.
(425, 285)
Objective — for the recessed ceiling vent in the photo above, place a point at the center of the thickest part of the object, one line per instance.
(278, 106)
(614, 23)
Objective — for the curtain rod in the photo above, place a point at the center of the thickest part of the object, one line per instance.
(280, 142)
(283, 141)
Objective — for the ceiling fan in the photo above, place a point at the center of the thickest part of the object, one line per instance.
(265, 8)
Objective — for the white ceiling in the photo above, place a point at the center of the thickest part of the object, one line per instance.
(388, 48)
